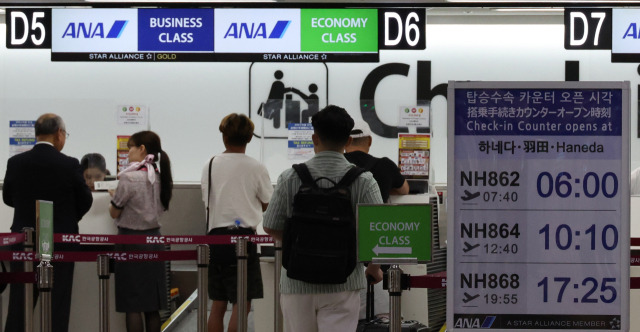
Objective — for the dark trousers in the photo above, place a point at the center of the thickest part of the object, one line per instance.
(60, 298)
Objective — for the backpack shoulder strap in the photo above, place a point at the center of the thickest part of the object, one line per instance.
(305, 176)
(351, 176)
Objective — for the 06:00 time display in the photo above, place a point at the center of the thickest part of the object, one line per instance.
(592, 185)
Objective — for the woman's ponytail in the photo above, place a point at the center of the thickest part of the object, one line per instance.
(166, 180)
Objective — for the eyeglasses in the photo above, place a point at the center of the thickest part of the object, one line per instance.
(66, 134)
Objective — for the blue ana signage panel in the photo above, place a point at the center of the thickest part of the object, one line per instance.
(540, 206)
(179, 30)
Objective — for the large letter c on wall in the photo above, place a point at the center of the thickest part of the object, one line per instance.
(367, 99)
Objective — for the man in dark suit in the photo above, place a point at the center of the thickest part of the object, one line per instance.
(44, 173)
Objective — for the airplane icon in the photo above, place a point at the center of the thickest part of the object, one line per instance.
(469, 196)
(468, 247)
(468, 298)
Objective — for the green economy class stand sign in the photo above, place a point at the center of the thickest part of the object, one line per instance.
(394, 232)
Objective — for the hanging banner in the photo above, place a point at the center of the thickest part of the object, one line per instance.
(539, 200)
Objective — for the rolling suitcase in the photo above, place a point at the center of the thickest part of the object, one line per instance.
(373, 324)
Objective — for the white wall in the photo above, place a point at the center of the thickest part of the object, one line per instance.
(188, 100)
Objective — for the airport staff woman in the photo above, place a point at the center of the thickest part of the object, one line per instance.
(142, 195)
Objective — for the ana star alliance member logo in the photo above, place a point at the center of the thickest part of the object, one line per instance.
(244, 30)
(94, 30)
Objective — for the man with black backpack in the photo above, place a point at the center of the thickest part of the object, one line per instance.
(312, 211)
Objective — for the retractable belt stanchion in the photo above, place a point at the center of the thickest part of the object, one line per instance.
(103, 279)
(28, 288)
(45, 284)
(242, 255)
(277, 311)
(202, 259)
(395, 295)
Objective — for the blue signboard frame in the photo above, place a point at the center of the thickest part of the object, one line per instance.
(539, 201)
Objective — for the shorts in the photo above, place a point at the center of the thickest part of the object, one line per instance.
(223, 282)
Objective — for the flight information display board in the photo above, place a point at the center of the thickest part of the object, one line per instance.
(539, 200)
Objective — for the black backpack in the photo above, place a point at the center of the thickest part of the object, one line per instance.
(319, 241)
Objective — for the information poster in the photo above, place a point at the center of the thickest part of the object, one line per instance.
(300, 145)
(122, 153)
(413, 155)
(132, 115)
(539, 204)
(413, 116)
(22, 136)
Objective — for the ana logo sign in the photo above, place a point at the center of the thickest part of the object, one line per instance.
(259, 30)
(91, 30)
(474, 322)
(632, 32)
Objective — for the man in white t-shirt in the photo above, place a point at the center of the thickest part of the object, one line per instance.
(236, 190)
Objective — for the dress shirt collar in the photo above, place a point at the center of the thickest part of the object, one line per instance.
(44, 142)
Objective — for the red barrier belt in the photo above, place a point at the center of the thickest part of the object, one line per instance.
(635, 241)
(7, 239)
(164, 239)
(118, 256)
(634, 282)
(18, 278)
(436, 280)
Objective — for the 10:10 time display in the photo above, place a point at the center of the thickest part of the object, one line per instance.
(564, 237)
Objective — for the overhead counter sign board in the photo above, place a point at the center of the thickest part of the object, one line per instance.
(400, 232)
(206, 34)
(539, 205)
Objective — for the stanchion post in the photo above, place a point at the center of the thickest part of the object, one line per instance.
(103, 280)
(28, 287)
(277, 269)
(242, 256)
(45, 284)
(395, 295)
(202, 252)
